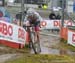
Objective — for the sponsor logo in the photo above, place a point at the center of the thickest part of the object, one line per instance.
(21, 33)
(6, 29)
(73, 38)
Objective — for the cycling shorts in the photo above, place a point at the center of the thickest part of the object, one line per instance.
(36, 25)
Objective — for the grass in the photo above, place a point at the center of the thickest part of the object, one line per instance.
(26, 57)
(7, 50)
(63, 44)
(31, 58)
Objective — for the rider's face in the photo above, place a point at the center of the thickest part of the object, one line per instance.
(30, 17)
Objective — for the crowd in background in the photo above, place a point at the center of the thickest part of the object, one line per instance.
(5, 15)
(54, 16)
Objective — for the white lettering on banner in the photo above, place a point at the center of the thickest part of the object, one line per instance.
(12, 33)
(73, 38)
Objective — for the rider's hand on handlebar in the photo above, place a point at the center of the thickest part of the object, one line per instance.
(27, 23)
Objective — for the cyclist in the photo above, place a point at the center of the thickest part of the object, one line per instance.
(33, 18)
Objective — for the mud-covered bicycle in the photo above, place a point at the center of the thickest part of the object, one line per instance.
(35, 45)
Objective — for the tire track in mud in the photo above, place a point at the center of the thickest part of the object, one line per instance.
(47, 42)
(51, 42)
(6, 57)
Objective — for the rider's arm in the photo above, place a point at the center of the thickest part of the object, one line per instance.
(26, 17)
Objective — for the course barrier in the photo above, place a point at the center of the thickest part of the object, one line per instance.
(55, 24)
(12, 35)
(68, 34)
(64, 33)
(71, 36)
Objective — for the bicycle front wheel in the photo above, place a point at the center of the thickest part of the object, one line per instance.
(36, 45)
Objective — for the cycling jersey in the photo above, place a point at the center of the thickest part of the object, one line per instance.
(33, 20)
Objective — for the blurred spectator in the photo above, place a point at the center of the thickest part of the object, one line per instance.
(19, 17)
(5, 15)
(58, 17)
(52, 16)
(39, 6)
(44, 6)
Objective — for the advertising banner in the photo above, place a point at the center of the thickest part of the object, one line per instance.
(12, 33)
(55, 24)
(71, 37)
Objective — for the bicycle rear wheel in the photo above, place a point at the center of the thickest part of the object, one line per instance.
(37, 47)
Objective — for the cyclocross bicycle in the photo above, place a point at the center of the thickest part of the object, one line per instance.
(32, 43)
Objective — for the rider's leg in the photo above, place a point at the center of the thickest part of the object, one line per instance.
(37, 35)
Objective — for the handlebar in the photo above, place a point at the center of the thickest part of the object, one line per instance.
(27, 28)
